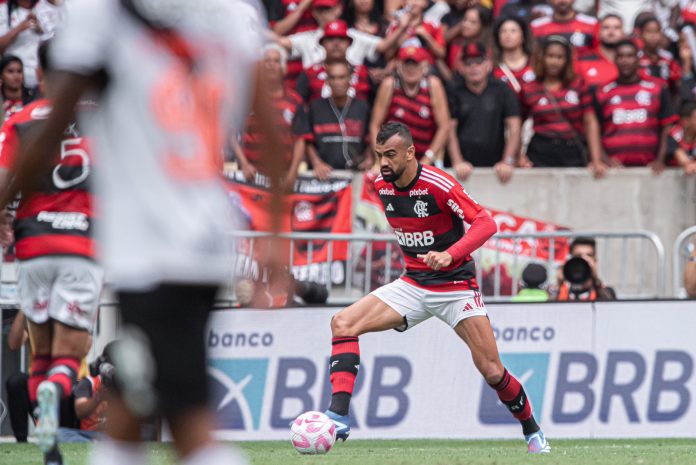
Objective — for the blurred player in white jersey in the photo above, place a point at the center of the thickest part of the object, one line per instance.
(169, 77)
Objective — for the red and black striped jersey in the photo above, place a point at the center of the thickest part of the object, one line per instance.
(287, 110)
(279, 9)
(631, 119)
(573, 102)
(522, 76)
(582, 31)
(663, 68)
(415, 112)
(311, 84)
(595, 69)
(426, 215)
(57, 219)
(676, 140)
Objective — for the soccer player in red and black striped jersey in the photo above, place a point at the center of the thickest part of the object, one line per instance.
(427, 209)
(635, 114)
(59, 283)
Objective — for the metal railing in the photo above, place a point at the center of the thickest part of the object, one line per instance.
(680, 251)
(631, 271)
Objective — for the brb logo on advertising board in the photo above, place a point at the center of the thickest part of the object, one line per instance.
(241, 388)
(237, 388)
(531, 369)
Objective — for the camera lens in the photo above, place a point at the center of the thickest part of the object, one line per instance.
(577, 271)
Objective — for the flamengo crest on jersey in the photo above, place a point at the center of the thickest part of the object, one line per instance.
(428, 215)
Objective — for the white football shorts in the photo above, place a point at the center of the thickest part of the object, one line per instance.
(61, 288)
(417, 304)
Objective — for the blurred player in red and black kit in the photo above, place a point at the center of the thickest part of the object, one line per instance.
(427, 209)
(59, 283)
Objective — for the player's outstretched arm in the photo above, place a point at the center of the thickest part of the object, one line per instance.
(36, 154)
(482, 228)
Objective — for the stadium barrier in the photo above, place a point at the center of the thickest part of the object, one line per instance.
(591, 370)
(680, 252)
(370, 260)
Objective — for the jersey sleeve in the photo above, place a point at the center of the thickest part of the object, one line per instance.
(461, 204)
(9, 144)
(83, 45)
(666, 115)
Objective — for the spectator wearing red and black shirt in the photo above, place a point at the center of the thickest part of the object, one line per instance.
(289, 110)
(579, 29)
(473, 27)
(560, 106)
(311, 84)
(512, 53)
(656, 62)
(681, 140)
(635, 114)
(416, 99)
(411, 29)
(597, 68)
(336, 128)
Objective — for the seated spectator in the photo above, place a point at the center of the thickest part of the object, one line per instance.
(580, 279)
(654, 61)
(411, 29)
(12, 91)
(365, 16)
(681, 141)
(512, 53)
(23, 25)
(690, 273)
(416, 99)
(337, 127)
(580, 30)
(635, 114)
(598, 67)
(307, 46)
(311, 84)
(560, 106)
(482, 134)
(288, 111)
(533, 278)
(474, 27)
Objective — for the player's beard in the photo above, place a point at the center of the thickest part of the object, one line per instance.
(392, 175)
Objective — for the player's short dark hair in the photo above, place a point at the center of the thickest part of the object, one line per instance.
(583, 240)
(44, 62)
(393, 128)
(687, 108)
(627, 43)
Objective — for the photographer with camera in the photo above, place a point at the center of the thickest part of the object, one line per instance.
(580, 279)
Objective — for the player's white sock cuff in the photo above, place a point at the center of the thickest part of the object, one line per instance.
(111, 452)
(216, 454)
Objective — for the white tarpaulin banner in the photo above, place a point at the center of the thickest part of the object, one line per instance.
(590, 370)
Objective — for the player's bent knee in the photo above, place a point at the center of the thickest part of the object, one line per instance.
(342, 326)
(492, 372)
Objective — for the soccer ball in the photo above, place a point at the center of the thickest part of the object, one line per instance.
(312, 433)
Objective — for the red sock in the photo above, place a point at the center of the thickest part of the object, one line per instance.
(344, 364)
(63, 372)
(39, 368)
(511, 393)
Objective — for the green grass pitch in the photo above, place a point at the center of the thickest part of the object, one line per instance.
(420, 452)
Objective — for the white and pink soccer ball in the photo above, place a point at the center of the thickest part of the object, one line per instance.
(313, 433)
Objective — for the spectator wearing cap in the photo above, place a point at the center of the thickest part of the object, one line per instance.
(307, 45)
(597, 67)
(565, 126)
(656, 62)
(336, 127)
(416, 99)
(289, 113)
(412, 29)
(486, 122)
(681, 140)
(23, 25)
(311, 84)
(579, 29)
(511, 52)
(533, 278)
(635, 114)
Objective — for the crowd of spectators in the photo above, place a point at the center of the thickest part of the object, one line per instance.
(481, 83)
